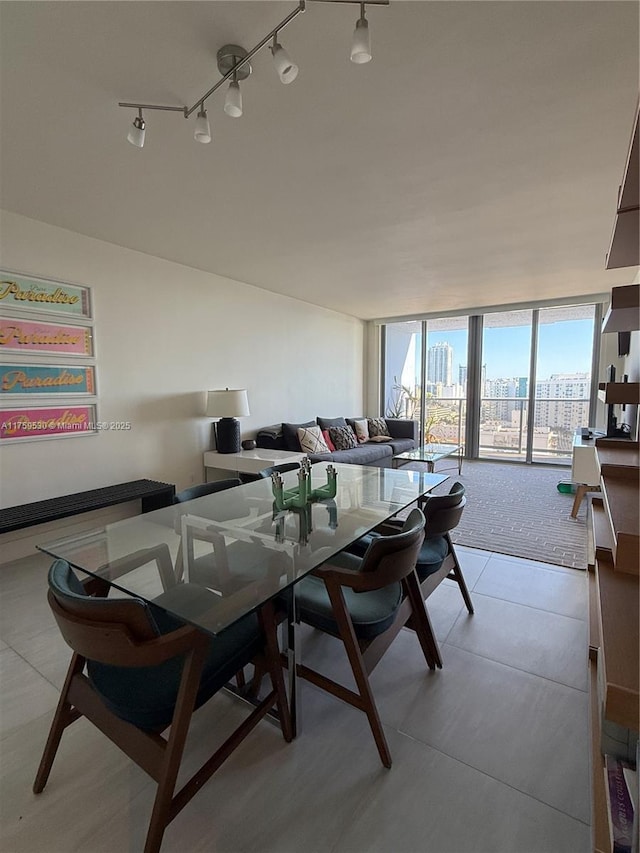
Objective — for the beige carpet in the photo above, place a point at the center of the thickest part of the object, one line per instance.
(516, 509)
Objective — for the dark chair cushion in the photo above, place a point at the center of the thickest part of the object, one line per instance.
(146, 696)
(371, 612)
(290, 434)
(431, 557)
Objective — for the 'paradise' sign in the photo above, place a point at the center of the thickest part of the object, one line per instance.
(28, 424)
(46, 379)
(33, 337)
(35, 294)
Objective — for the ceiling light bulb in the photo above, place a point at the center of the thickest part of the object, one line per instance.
(202, 133)
(361, 43)
(233, 100)
(287, 70)
(136, 132)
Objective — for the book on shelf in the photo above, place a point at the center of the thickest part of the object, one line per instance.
(620, 804)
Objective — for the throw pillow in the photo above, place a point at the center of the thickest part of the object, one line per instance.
(290, 434)
(362, 431)
(311, 440)
(344, 438)
(327, 423)
(327, 438)
(379, 438)
(377, 426)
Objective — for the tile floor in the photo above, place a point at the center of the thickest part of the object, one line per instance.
(490, 753)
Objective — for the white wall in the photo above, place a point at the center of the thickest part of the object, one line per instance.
(165, 333)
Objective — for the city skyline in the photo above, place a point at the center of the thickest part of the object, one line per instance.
(563, 348)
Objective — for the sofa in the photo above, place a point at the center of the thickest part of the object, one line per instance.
(404, 435)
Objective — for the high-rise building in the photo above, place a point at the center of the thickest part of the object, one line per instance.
(440, 363)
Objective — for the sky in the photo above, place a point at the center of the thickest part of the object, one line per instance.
(562, 348)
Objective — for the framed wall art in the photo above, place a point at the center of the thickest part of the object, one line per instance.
(32, 294)
(40, 379)
(31, 337)
(29, 424)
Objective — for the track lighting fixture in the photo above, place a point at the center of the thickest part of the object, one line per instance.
(234, 65)
(361, 42)
(136, 131)
(202, 133)
(287, 70)
(233, 100)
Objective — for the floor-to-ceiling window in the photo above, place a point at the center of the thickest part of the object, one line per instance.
(510, 385)
(504, 401)
(562, 385)
(402, 371)
(446, 380)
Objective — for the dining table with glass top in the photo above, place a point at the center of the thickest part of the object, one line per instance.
(212, 560)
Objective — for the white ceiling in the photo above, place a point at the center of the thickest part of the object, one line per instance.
(475, 161)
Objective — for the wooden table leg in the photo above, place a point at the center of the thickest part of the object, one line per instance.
(581, 491)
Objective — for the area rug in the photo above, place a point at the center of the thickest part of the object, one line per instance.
(517, 509)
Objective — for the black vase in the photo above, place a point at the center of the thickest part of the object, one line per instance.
(228, 435)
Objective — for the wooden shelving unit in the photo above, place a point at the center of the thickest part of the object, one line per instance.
(600, 819)
(619, 392)
(614, 527)
(619, 482)
(624, 249)
(622, 314)
(618, 655)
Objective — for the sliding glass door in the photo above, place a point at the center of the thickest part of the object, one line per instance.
(510, 385)
(504, 401)
(562, 386)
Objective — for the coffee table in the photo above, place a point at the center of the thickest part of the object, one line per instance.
(429, 453)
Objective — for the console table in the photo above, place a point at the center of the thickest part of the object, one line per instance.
(248, 461)
(584, 468)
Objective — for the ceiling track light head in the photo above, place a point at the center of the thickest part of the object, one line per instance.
(136, 131)
(361, 42)
(202, 132)
(228, 57)
(287, 70)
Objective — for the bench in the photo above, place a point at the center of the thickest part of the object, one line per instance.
(151, 493)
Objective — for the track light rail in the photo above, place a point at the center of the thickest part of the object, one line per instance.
(361, 52)
(189, 110)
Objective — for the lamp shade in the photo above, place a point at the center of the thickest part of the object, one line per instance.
(361, 43)
(287, 70)
(227, 403)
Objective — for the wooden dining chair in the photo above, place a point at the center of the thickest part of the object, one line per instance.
(282, 468)
(137, 671)
(210, 569)
(201, 490)
(437, 560)
(358, 600)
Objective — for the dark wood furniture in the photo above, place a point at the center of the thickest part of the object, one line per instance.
(437, 560)
(152, 495)
(147, 672)
(614, 576)
(358, 601)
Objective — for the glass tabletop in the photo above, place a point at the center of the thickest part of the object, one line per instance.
(212, 560)
(430, 452)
